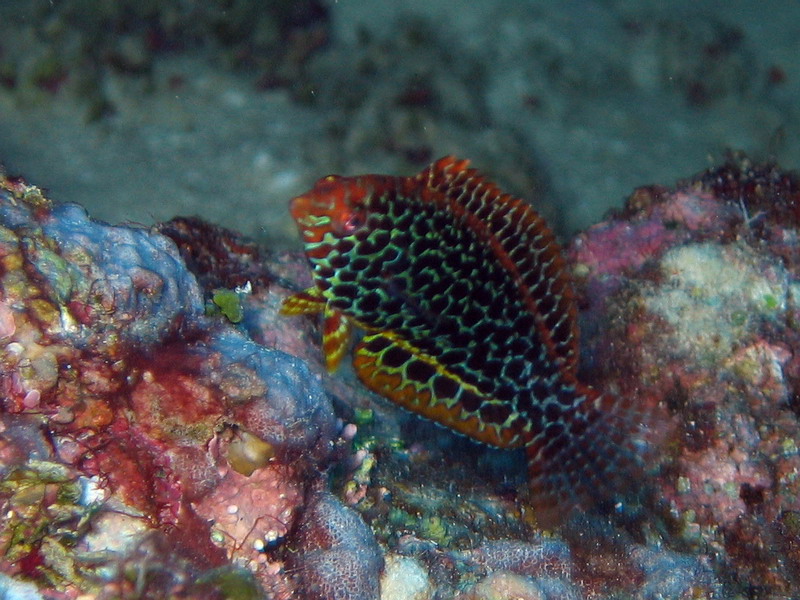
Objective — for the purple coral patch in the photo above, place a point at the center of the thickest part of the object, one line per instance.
(336, 556)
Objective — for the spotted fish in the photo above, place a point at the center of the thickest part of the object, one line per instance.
(469, 319)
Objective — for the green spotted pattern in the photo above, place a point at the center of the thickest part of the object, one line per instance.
(470, 320)
(419, 270)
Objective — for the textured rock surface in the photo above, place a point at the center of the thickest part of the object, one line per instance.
(207, 440)
(691, 297)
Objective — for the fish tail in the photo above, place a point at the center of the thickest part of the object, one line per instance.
(594, 456)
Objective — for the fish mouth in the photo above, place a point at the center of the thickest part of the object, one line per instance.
(313, 203)
(298, 207)
(325, 207)
(312, 215)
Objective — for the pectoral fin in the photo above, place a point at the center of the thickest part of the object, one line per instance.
(335, 326)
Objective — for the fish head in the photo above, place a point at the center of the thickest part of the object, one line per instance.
(333, 209)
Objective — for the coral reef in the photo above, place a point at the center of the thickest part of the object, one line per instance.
(166, 432)
(196, 442)
(701, 313)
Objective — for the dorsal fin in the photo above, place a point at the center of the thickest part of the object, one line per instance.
(521, 241)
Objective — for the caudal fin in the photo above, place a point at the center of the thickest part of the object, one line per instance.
(596, 456)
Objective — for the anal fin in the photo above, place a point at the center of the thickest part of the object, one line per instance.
(395, 369)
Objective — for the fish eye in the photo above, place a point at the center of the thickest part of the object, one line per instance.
(353, 222)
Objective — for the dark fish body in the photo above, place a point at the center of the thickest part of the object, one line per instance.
(470, 318)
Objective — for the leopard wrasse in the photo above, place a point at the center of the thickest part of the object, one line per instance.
(469, 320)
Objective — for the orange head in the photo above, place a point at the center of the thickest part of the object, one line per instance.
(334, 205)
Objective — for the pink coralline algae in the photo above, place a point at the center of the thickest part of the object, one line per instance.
(701, 314)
